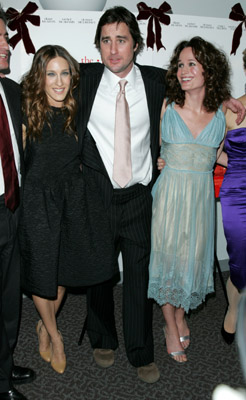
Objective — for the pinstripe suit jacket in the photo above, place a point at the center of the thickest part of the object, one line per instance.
(93, 167)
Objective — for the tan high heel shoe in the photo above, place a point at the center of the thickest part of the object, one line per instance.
(59, 365)
(46, 355)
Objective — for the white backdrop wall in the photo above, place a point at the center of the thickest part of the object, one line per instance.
(75, 31)
(209, 8)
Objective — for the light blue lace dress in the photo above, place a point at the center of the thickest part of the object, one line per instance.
(182, 247)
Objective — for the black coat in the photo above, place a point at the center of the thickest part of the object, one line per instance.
(93, 167)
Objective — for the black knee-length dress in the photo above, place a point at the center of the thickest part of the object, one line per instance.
(64, 233)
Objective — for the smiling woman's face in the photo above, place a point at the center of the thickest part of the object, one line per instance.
(190, 72)
(57, 81)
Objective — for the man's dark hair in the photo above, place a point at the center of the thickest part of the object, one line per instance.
(3, 15)
(120, 14)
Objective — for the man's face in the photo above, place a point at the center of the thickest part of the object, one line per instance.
(117, 48)
(4, 47)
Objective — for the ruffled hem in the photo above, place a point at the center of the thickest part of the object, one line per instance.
(178, 297)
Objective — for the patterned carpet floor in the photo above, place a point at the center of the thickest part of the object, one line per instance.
(210, 360)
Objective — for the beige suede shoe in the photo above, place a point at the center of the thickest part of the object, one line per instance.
(149, 373)
(104, 357)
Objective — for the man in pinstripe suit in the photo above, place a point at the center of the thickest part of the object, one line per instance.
(119, 41)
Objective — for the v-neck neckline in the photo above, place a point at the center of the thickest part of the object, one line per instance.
(188, 129)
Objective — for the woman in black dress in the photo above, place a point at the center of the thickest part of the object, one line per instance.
(63, 233)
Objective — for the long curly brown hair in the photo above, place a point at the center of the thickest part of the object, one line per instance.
(216, 74)
(35, 105)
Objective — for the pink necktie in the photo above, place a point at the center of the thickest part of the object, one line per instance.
(122, 169)
(8, 162)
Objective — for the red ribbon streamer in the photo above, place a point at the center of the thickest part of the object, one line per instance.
(17, 21)
(237, 14)
(157, 16)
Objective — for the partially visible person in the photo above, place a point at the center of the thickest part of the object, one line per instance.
(192, 128)
(241, 331)
(224, 392)
(11, 175)
(62, 233)
(233, 203)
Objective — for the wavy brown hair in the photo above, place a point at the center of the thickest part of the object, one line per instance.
(216, 74)
(35, 103)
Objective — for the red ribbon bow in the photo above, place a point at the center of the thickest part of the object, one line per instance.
(157, 15)
(237, 14)
(17, 21)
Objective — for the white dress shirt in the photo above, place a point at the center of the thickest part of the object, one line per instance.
(14, 144)
(102, 121)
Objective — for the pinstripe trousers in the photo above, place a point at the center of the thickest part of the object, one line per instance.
(130, 219)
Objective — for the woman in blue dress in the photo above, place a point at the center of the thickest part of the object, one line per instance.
(192, 128)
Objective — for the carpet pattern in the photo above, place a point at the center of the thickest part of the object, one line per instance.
(210, 360)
